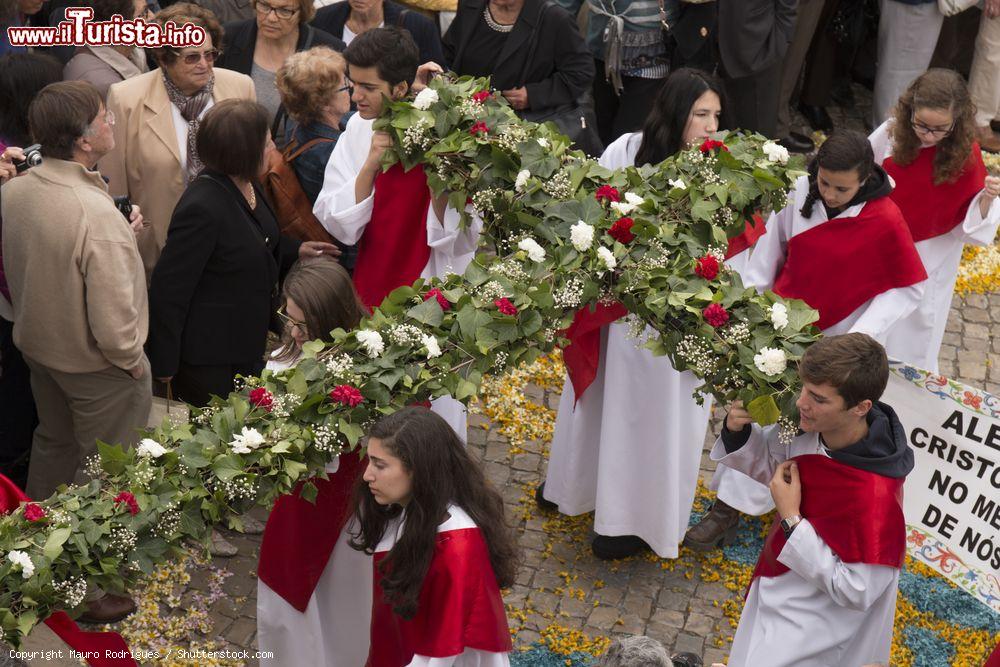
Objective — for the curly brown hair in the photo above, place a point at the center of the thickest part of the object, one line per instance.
(936, 89)
(307, 81)
(187, 12)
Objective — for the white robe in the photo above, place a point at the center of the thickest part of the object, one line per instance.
(632, 447)
(457, 519)
(916, 339)
(345, 218)
(823, 612)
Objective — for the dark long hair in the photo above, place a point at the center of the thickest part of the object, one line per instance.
(663, 131)
(845, 150)
(22, 77)
(443, 473)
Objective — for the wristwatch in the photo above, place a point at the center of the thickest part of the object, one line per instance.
(788, 525)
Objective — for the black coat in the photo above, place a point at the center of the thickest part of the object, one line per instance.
(214, 288)
(333, 17)
(239, 40)
(754, 34)
(544, 52)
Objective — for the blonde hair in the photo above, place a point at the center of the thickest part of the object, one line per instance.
(307, 81)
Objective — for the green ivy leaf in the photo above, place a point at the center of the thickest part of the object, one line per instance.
(764, 410)
(427, 312)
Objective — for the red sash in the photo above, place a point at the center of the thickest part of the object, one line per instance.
(583, 354)
(932, 210)
(87, 643)
(459, 607)
(994, 659)
(877, 247)
(300, 536)
(393, 250)
(858, 514)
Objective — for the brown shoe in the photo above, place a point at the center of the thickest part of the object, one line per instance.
(108, 609)
(716, 529)
(988, 140)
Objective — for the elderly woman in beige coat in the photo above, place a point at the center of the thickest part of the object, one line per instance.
(158, 115)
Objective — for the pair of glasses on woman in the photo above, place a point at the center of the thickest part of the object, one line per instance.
(283, 13)
(290, 321)
(210, 56)
(930, 131)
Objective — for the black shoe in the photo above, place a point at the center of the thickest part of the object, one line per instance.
(620, 546)
(817, 117)
(686, 659)
(797, 143)
(540, 500)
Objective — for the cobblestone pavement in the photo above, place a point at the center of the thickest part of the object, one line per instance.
(561, 582)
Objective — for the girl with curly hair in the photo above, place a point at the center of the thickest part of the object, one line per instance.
(941, 185)
(442, 546)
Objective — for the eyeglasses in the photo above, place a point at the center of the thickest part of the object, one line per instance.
(283, 13)
(210, 56)
(932, 131)
(348, 87)
(109, 117)
(290, 321)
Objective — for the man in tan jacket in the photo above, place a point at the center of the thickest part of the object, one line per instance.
(78, 291)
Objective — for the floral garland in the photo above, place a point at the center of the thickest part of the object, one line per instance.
(567, 232)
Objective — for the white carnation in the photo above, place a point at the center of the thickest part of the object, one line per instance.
(633, 198)
(248, 440)
(543, 142)
(621, 207)
(150, 448)
(677, 183)
(607, 258)
(582, 235)
(770, 361)
(433, 349)
(522, 180)
(23, 560)
(425, 98)
(535, 251)
(779, 316)
(371, 341)
(775, 152)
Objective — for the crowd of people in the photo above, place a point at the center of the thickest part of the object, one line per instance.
(165, 211)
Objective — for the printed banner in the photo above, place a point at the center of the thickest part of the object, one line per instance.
(952, 497)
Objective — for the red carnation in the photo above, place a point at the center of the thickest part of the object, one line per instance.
(261, 398)
(505, 306)
(129, 500)
(711, 144)
(479, 128)
(34, 512)
(481, 96)
(607, 193)
(707, 267)
(441, 298)
(715, 315)
(347, 395)
(622, 230)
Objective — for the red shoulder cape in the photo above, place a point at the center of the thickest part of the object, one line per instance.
(393, 250)
(300, 536)
(583, 354)
(88, 643)
(932, 210)
(876, 246)
(858, 514)
(460, 606)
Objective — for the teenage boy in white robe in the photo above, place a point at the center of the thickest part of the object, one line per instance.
(824, 590)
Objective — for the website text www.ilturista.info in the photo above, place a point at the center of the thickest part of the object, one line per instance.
(141, 656)
(79, 30)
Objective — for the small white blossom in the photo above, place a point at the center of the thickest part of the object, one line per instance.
(677, 183)
(433, 349)
(150, 448)
(248, 440)
(543, 142)
(770, 361)
(371, 341)
(607, 258)
(22, 560)
(633, 198)
(535, 252)
(621, 207)
(582, 235)
(779, 316)
(522, 180)
(425, 98)
(775, 152)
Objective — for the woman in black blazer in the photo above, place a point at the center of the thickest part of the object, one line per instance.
(214, 291)
(373, 13)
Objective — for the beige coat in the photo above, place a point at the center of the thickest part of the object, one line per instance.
(145, 163)
(75, 275)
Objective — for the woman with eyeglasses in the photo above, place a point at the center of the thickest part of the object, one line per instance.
(259, 46)
(928, 147)
(158, 114)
